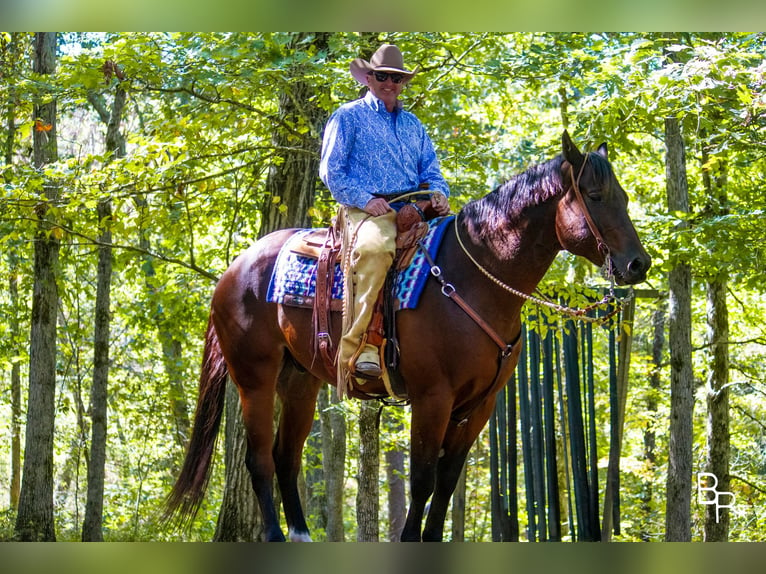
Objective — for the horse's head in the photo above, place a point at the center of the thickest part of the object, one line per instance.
(592, 218)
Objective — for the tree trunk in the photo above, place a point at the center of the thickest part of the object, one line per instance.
(291, 182)
(170, 341)
(172, 359)
(718, 440)
(334, 460)
(679, 481)
(290, 188)
(316, 497)
(650, 438)
(369, 467)
(34, 521)
(397, 497)
(238, 520)
(15, 331)
(458, 507)
(13, 51)
(92, 528)
(612, 513)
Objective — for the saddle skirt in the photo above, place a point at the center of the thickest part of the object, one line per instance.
(294, 278)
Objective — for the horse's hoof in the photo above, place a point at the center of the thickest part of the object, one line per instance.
(296, 536)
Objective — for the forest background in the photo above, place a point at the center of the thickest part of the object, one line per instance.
(137, 166)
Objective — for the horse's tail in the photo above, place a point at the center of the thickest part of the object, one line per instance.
(189, 490)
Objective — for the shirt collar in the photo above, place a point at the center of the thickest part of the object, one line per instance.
(377, 104)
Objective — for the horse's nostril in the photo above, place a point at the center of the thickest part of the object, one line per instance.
(639, 266)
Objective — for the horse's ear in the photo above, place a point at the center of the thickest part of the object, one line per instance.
(602, 150)
(570, 151)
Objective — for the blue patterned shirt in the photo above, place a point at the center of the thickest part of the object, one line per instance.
(368, 150)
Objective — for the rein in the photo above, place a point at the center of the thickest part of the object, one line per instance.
(461, 415)
(449, 291)
(581, 314)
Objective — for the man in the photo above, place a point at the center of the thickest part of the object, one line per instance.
(372, 151)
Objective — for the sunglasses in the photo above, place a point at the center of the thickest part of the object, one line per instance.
(383, 76)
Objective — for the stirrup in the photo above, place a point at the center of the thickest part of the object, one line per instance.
(367, 364)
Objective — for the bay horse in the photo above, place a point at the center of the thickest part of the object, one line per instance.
(452, 365)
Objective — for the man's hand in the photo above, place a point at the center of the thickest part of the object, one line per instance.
(377, 206)
(440, 203)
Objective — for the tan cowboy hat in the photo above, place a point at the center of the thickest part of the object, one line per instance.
(388, 58)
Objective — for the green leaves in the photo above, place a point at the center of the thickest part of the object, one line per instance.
(201, 125)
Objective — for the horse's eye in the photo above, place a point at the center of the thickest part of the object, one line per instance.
(594, 195)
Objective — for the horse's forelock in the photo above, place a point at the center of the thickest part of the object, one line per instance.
(601, 167)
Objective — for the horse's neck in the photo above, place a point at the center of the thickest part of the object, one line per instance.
(521, 253)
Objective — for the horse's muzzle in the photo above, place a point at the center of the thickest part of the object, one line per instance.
(635, 271)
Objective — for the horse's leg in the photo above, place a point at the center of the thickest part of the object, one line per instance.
(298, 393)
(430, 417)
(457, 443)
(257, 381)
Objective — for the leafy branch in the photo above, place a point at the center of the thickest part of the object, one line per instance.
(166, 258)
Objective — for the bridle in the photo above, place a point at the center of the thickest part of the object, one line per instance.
(603, 248)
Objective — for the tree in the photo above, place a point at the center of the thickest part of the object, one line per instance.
(333, 425)
(115, 147)
(395, 476)
(718, 440)
(34, 521)
(651, 405)
(11, 50)
(289, 194)
(367, 478)
(238, 518)
(678, 506)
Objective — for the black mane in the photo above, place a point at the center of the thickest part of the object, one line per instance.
(504, 205)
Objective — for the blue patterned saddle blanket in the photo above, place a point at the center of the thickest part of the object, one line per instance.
(293, 281)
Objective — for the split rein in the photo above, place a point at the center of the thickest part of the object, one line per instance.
(578, 313)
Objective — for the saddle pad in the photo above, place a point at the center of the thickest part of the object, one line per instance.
(410, 282)
(293, 281)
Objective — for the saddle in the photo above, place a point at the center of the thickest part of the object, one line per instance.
(325, 246)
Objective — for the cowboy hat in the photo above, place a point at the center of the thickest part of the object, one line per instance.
(387, 58)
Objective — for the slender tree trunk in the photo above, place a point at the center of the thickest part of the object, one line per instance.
(458, 507)
(34, 521)
(170, 340)
(334, 460)
(12, 53)
(650, 437)
(290, 188)
(369, 468)
(397, 497)
(679, 481)
(94, 507)
(92, 528)
(316, 497)
(15, 388)
(238, 519)
(718, 440)
(172, 360)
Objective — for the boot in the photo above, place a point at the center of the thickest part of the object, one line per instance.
(367, 365)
